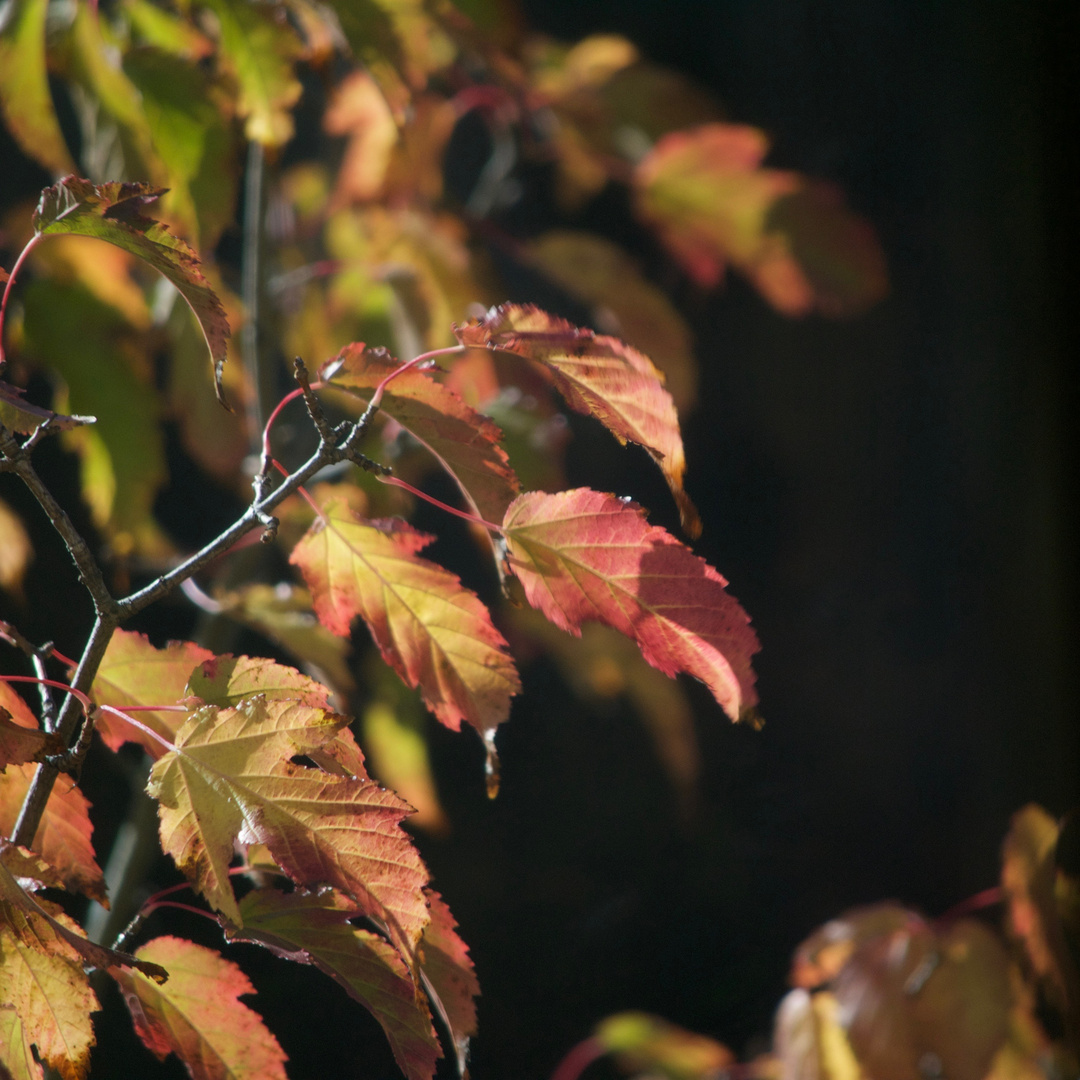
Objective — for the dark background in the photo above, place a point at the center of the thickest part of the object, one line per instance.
(892, 500)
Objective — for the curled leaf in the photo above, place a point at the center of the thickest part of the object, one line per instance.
(16, 414)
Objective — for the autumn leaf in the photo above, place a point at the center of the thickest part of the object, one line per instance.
(359, 111)
(809, 1041)
(713, 204)
(19, 744)
(231, 777)
(113, 212)
(599, 376)
(449, 972)
(19, 415)
(463, 441)
(25, 100)
(314, 928)
(198, 1015)
(261, 49)
(16, 1054)
(430, 629)
(134, 672)
(582, 556)
(645, 1043)
(63, 837)
(227, 680)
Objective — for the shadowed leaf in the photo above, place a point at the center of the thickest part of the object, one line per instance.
(198, 1015)
(19, 744)
(227, 680)
(16, 1055)
(583, 556)
(430, 629)
(19, 415)
(599, 376)
(650, 1044)
(449, 969)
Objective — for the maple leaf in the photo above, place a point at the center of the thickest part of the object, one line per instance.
(63, 835)
(198, 1015)
(435, 633)
(112, 212)
(463, 441)
(19, 744)
(231, 777)
(134, 672)
(313, 928)
(582, 556)
(599, 376)
(227, 680)
(713, 204)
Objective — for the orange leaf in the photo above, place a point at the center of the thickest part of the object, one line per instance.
(198, 1015)
(134, 672)
(462, 440)
(449, 970)
(434, 632)
(63, 837)
(599, 376)
(315, 929)
(583, 556)
(231, 778)
(19, 743)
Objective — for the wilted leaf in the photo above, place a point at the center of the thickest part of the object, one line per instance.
(63, 836)
(198, 1015)
(314, 929)
(713, 204)
(134, 672)
(102, 360)
(463, 441)
(599, 376)
(623, 303)
(261, 49)
(231, 777)
(583, 556)
(24, 87)
(113, 212)
(650, 1044)
(29, 869)
(434, 632)
(19, 415)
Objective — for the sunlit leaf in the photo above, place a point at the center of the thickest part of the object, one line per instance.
(113, 212)
(449, 971)
(599, 376)
(314, 929)
(134, 672)
(103, 364)
(261, 48)
(434, 632)
(359, 111)
(17, 414)
(713, 204)
(63, 837)
(198, 1015)
(231, 777)
(650, 1044)
(463, 441)
(25, 100)
(227, 680)
(582, 556)
(16, 1055)
(16, 709)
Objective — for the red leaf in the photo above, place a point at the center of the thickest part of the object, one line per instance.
(434, 632)
(198, 1015)
(134, 672)
(584, 556)
(63, 837)
(315, 929)
(463, 441)
(599, 376)
(449, 969)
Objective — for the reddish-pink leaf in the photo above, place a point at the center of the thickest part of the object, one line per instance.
(599, 376)
(231, 778)
(583, 556)
(434, 632)
(463, 441)
(198, 1015)
(134, 672)
(63, 837)
(314, 929)
(449, 971)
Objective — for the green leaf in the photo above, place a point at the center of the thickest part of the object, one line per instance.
(113, 212)
(25, 100)
(261, 49)
(123, 457)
